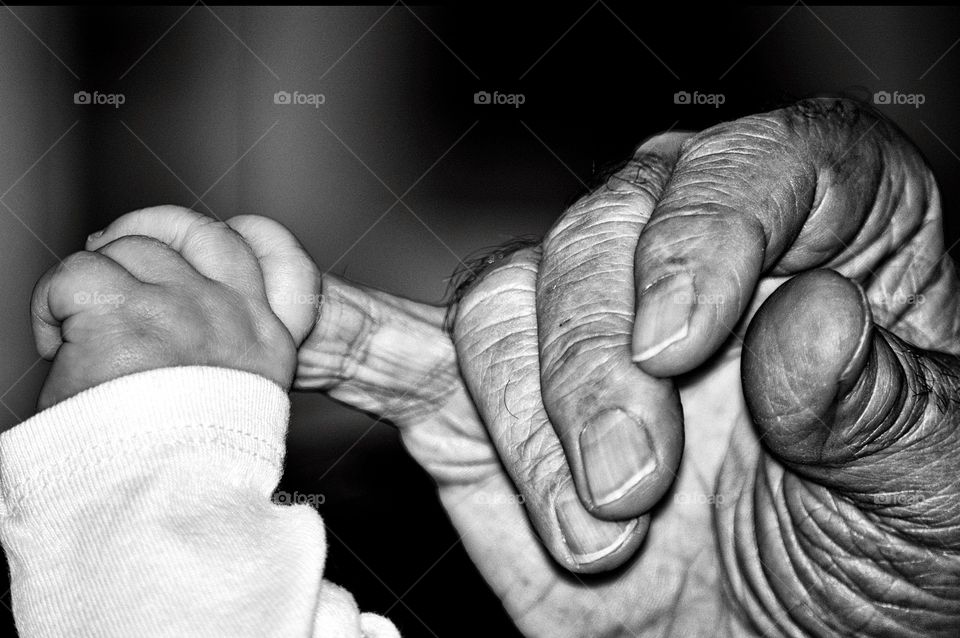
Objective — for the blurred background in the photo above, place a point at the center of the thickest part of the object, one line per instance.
(384, 155)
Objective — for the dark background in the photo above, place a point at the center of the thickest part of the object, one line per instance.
(199, 128)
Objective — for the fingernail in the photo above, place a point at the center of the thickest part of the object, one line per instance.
(589, 539)
(663, 316)
(617, 454)
(94, 236)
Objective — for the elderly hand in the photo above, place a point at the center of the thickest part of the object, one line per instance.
(817, 492)
(810, 487)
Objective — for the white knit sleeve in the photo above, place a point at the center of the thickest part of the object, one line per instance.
(142, 507)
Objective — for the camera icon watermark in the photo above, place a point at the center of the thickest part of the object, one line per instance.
(696, 98)
(897, 98)
(516, 100)
(85, 98)
(316, 100)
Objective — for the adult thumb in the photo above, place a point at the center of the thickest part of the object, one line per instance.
(848, 405)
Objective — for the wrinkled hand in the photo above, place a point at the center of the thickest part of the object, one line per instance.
(809, 484)
(817, 492)
(166, 286)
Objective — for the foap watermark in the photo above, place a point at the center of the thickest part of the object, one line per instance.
(314, 300)
(97, 298)
(507, 99)
(316, 100)
(900, 499)
(696, 98)
(896, 98)
(483, 498)
(281, 497)
(116, 100)
(697, 298)
(698, 498)
(898, 298)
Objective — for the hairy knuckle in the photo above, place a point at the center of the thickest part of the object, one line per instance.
(741, 143)
(646, 170)
(619, 210)
(839, 110)
(498, 298)
(517, 260)
(603, 216)
(623, 202)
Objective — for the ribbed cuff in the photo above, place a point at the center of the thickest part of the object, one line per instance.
(175, 406)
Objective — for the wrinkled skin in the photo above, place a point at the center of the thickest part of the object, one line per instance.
(844, 520)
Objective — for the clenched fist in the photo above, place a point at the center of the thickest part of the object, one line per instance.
(166, 286)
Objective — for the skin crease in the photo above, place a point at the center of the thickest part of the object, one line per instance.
(703, 567)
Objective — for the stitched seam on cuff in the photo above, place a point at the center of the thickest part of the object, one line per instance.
(41, 479)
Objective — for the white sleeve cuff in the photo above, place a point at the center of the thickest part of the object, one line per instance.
(141, 507)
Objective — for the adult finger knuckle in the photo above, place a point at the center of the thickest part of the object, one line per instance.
(597, 216)
(570, 364)
(490, 282)
(647, 173)
(838, 110)
(731, 145)
(626, 197)
(590, 344)
(540, 459)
